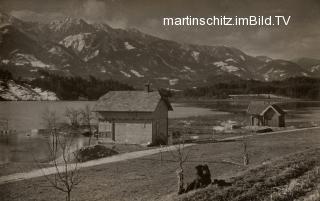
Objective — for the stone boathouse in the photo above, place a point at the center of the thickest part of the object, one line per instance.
(134, 117)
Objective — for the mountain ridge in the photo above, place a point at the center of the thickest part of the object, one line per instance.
(75, 47)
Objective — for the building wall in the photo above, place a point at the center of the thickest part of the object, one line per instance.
(133, 132)
(139, 127)
(160, 125)
(282, 121)
(271, 118)
(274, 119)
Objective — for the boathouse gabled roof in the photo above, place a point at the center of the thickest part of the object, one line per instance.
(130, 101)
(260, 107)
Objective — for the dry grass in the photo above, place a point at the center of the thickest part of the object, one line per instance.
(16, 167)
(289, 178)
(149, 179)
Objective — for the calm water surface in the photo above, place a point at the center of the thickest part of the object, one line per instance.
(25, 116)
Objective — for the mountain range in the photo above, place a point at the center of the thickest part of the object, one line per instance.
(75, 47)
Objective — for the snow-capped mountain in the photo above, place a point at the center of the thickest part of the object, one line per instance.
(76, 47)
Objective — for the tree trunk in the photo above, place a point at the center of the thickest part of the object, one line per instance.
(180, 181)
(245, 159)
(68, 198)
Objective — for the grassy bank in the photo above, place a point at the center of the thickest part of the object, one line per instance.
(148, 178)
(295, 177)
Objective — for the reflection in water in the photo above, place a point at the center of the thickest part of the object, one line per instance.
(23, 148)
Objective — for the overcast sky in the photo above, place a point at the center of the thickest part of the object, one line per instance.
(300, 39)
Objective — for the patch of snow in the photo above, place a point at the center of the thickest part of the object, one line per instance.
(188, 69)
(145, 69)
(242, 57)
(195, 55)
(231, 60)
(54, 50)
(46, 95)
(136, 73)
(315, 68)
(28, 59)
(226, 67)
(272, 72)
(220, 63)
(174, 90)
(77, 42)
(268, 60)
(39, 64)
(269, 71)
(163, 78)
(173, 81)
(103, 71)
(19, 92)
(230, 68)
(128, 46)
(304, 74)
(5, 61)
(93, 55)
(218, 128)
(5, 31)
(267, 74)
(125, 74)
(33, 70)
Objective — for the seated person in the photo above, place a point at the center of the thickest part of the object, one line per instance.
(203, 178)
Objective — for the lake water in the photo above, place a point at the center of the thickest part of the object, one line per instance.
(25, 116)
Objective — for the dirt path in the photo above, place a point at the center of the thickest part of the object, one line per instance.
(112, 159)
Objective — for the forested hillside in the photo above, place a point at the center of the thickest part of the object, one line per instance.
(75, 88)
(297, 87)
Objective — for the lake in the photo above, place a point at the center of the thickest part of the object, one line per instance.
(25, 116)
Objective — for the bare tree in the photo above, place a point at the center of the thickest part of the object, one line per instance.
(180, 156)
(50, 121)
(86, 118)
(245, 151)
(64, 159)
(73, 115)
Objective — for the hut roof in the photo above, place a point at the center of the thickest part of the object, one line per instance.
(260, 107)
(130, 101)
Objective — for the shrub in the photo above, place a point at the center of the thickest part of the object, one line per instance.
(94, 152)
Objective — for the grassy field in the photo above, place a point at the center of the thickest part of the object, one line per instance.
(150, 179)
(17, 167)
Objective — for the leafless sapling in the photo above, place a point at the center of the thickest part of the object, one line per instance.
(64, 160)
(86, 118)
(73, 116)
(181, 156)
(245, 151)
